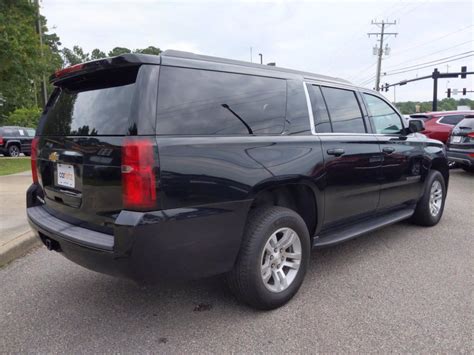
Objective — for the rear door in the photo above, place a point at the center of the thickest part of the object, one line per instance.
(402, 154)
(80, 141)
(352, 157)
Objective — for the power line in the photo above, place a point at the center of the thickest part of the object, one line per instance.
(429, 54)
(427, 66)
(380, 50)
(432, 40)
(433, 61)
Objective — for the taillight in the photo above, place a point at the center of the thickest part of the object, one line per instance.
(138, 174)
(68, 70)
(470, 135)
(34, 157)
(1, 140)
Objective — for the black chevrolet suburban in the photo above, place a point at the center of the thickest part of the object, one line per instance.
(186, 166)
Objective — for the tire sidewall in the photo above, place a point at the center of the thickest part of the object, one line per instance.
(295, 222)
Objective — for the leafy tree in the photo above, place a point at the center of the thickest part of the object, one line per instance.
(119, 50)
(26, 117)
(97, 54)
(23, 61)
(74, 56)
(149, 50)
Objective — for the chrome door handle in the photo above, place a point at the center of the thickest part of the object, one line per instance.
(336, 151)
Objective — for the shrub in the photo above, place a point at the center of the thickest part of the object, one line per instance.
(25, 117)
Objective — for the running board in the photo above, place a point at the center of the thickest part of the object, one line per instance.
(341, 234)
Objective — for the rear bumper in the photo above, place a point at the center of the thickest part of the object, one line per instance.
(184, 243)
(461, 156)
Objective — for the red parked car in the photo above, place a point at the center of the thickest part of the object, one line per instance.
(438, 125)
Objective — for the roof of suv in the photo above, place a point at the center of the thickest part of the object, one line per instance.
(188, 55)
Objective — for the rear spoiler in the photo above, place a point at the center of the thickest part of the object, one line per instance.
(124, 60)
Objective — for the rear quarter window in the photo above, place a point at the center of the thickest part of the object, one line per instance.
(201, 102)
(451, 119)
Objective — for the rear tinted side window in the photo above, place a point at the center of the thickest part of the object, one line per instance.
(451, 120)
(320, 112)
(344, 110)
(297, 109)
(200, 102)
(10, 132)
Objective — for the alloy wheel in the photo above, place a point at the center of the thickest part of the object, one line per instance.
(281, 259)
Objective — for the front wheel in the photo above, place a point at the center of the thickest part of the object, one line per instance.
(469, 169)
(273, 258)
(430, 208)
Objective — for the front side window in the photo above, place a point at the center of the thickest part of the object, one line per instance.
(203, 102)
(344, 110)
(451, 120)
(383, 117)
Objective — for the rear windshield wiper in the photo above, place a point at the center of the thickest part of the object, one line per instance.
(240, 118)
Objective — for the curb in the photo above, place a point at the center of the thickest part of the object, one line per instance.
(18, 247)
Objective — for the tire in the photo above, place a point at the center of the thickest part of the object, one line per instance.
(469, 169)
(264, 227)
(435, 190)
(27, 154)
(13, 151)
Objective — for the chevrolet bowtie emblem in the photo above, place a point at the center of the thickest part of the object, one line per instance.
(53, 157)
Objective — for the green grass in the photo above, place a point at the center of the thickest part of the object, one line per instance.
(14, 165)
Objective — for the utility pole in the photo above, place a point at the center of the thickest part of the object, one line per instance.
(44, 89)
(379, 51)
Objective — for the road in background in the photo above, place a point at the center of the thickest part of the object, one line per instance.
(403, 288)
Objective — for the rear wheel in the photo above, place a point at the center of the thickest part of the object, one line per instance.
(273, 259)
(469, 169)
(431, 205)
(13, 151)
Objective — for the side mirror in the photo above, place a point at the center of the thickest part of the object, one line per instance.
(415, 125)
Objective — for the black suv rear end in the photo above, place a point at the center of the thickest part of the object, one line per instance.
(461, 144)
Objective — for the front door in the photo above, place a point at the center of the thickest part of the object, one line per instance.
(352, 157)
(402, 155)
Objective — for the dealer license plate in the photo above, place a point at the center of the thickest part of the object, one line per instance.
(66, 175)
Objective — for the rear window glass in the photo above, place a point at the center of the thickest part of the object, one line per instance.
(97, 104)
(200, 102)
(344, 110)
(452, 119)
(467, 123)
(12, 132)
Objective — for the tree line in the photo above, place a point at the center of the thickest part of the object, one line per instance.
(25, 60)
(447, 104)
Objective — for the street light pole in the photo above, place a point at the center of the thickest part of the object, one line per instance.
(261, 58)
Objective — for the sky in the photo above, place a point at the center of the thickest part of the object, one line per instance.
(324, 37)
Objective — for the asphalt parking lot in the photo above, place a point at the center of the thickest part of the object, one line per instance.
(401, 289)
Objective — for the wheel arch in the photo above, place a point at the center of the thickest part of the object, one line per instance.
(296, 193)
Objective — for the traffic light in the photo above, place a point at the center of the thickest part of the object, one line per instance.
(463, 71)
(449, 92)
(464, 91)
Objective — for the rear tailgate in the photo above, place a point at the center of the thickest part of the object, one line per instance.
(81, 136)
